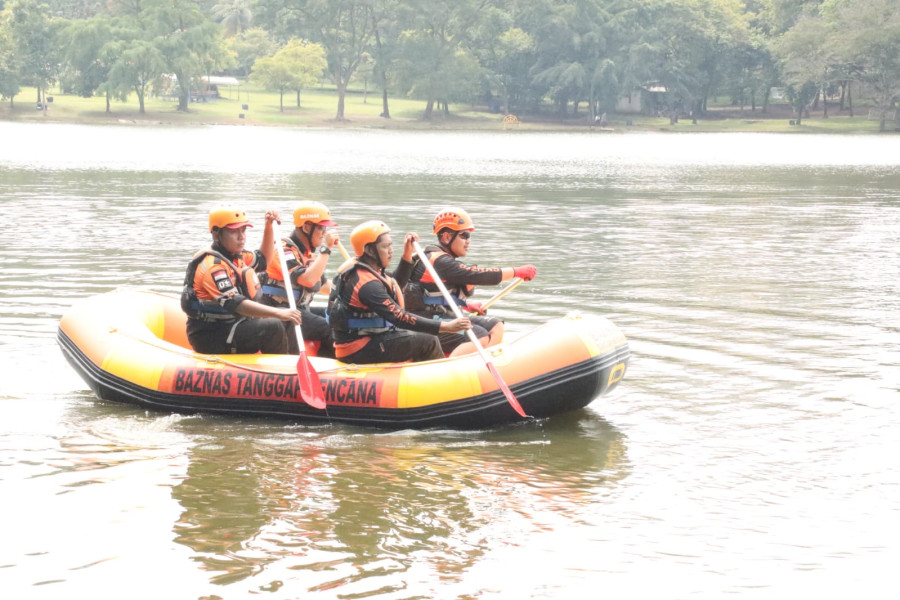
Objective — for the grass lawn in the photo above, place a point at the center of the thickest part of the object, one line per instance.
(319, 107)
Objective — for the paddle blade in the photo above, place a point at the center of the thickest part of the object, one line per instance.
(510, 397)
(310, 385)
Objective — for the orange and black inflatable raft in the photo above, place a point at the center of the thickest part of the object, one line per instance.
(130, 346)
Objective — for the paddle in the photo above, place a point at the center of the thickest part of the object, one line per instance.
(502, 293)
(343, 250)
(484, 355)
(310, 385)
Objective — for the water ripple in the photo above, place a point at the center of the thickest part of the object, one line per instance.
(750, 449)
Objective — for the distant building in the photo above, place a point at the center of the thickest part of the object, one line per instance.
(646, 99)
(212, 83)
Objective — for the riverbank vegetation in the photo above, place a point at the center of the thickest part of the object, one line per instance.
(251, 105)
(698, 65)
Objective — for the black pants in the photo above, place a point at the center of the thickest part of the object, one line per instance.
(314, 328)
(397, 346)
(481, 327)
(248, 336)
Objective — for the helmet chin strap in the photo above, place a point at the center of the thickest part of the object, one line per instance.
(370, 256)
(309, 245)
(219, 246)
(448, 246)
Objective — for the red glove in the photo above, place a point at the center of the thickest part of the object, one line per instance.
(526, 272)
(475, 307)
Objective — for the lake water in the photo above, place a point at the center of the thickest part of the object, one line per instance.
(751, 449)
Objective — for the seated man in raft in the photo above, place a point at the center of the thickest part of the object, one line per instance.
(454, 228)
(368, 320)
(306, 252)
(222, 292)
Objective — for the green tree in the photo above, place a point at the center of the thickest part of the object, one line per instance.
(514, 55)
(307, 61)
(577, 52)
(84, 40)
(868, 37)
(74, 9)
(34, 40)
(687, 46)
(189, 40)
(434, 62)
(132, 8)
(9, 78)
(385, 31)
(248, 46)
(777, 16)
(343, 27)
(296, 65)
(365, 73)
(275, 75)
(507, 53)
(748, 72)
(808, 59)
(234, 15)
(139, 66)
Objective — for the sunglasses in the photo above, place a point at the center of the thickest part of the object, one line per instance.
(464, 235)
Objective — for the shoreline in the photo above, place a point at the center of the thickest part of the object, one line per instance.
(318, 112)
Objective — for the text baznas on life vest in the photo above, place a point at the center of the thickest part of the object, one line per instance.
(277, 386)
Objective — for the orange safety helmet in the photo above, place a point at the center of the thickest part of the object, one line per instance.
(228, 216)
(453, 218)
(366, 233)
(313, 212)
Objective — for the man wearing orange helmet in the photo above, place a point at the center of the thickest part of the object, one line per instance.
(454, 228)
(306, 252)
(368, 319)
(222, 292)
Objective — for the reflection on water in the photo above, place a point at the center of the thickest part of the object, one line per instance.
(750, 450)
(358, 512)
(88, 499)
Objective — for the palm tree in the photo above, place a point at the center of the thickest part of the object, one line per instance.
(235, 15)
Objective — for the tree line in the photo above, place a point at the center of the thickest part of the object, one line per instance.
(519, 56)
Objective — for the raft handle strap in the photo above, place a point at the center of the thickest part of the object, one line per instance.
(231, 333)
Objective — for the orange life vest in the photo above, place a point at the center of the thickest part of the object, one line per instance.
(431, 294)
(354, 316)
(201, 276)
(274, 285)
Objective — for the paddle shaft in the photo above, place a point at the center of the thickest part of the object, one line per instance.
(502, 293)
(474, 339)
(343, 250)
(287, 284)
(310, 386)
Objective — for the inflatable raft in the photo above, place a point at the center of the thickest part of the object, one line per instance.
(130, 346)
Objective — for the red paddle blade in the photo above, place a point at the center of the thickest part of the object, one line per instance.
(513, 401)
(310, 385)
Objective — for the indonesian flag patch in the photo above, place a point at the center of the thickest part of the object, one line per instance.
(223, 281)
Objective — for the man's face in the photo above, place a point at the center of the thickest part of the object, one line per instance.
(232, 240)
(458, 242)
(385, 249)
